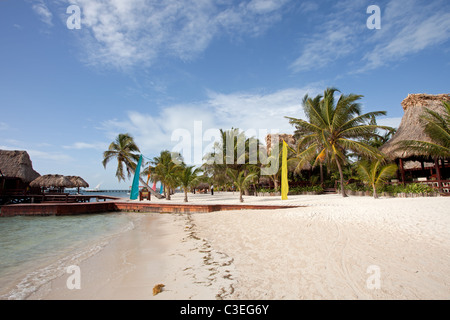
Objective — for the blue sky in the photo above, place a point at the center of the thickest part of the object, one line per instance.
(153, 68)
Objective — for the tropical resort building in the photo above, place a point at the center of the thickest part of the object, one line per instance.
(20, 183)
(416, 165)
(16, 173)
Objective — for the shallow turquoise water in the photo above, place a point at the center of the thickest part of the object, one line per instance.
(33, 250)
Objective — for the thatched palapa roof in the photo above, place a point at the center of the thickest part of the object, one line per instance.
(411, 127)
(202, 185)
(17, 164)
(52, 180)
(78, 182)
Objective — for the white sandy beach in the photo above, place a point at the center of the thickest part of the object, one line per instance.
(334, 248)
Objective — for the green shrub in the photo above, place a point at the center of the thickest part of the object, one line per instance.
(299, 190)
(416, 188)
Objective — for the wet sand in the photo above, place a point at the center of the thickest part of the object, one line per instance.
(161, 249)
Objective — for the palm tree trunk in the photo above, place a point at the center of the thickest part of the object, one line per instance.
(241, 199)
(321, 174)
(167, 192)
(275, 183)
(342, 178)
(374, 191)
(185, 195)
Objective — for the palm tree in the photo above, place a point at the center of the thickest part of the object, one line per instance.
(234, 151)
(241, 180)
(125, 150)
(438, 130)
(166, 170)
(333, 128)
(375, 174)
(305, 153)
(188, 177)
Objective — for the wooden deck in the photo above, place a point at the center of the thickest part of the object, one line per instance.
(52, 198)
(60, 209)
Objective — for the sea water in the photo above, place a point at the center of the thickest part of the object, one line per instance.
(35, 250)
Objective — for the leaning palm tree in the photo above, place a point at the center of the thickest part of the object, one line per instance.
(240, 180)
(375, 173)
(333, 128)
(125, 150)
(188, 177)
(437, 127)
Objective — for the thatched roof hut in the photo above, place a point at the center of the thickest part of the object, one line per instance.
(52, 180)
(411, 128)
(78, 182)
(202, 185)
(17, 164)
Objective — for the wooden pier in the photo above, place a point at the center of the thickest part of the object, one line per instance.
(52, 198)
(60, 209)
(106, 191)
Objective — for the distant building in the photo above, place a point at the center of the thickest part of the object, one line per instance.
(417, 165)
(290, 140)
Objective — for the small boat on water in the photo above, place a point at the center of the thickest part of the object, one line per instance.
(93, 190)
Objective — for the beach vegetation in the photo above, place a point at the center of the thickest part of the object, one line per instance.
(410, 188)
(126, 152)
(166, 168)
(234, 151)
(188, 177)
(315, 189)
(241, 180)
(375, 173)
(333, 129)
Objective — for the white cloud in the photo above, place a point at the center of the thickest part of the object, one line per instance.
(309, 6)
(84, 145)
(265, 6)
(44, 155)
(325, 48)
(406, 29)
(43, 12)
(257, 112)
(36, 154)
(137, 32)
(335, 38)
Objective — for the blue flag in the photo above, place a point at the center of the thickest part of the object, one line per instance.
(134, 194)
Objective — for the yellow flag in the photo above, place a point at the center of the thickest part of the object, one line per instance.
(284, 174)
